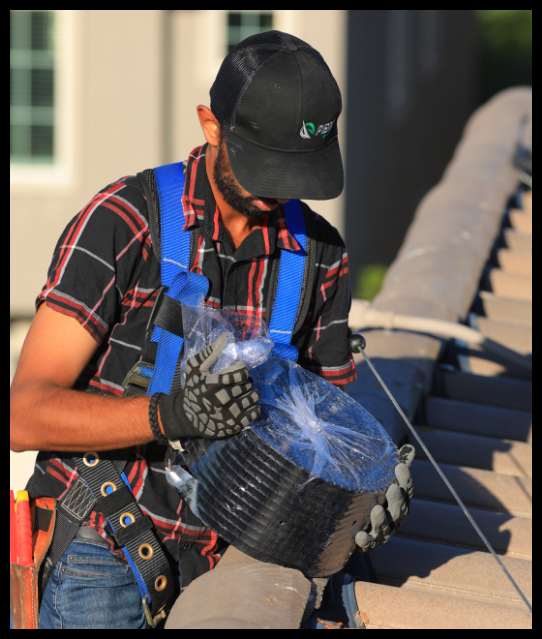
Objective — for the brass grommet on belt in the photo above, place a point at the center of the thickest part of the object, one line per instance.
(108, 484)
(146, 551)
(91, 459)
(160, 583)
(126, 519)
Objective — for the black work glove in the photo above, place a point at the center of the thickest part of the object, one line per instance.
(211, 405)
(387, 519)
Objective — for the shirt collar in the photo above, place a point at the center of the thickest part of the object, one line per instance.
(285, 240)
(200, 210)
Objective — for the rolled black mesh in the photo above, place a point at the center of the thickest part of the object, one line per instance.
(242, 64)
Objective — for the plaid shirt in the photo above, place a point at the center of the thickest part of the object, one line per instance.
(104, 275)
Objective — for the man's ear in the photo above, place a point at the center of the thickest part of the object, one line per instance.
(209, 125)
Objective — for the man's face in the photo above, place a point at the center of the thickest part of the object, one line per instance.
(233, 193)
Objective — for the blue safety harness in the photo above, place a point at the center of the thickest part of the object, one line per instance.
(186, 287)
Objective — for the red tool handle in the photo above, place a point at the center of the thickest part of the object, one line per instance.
(13, 552)
(24, 530)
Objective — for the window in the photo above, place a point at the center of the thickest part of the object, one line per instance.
(32, 87)
(242, 24)
(225, 28)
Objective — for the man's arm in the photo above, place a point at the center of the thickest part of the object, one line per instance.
(45, 414)
(325, 350)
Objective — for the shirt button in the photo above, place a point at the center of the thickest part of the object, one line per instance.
(184, 546)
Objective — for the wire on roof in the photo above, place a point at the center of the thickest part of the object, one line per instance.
(446, 481)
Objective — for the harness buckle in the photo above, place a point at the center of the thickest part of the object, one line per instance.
(154, 311)
(152, 621)
(137, 376)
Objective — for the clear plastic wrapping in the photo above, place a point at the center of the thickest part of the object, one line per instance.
(311, 422)
(248, 337)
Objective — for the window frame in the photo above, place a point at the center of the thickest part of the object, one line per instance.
(242, 26)
(216, 28)
(59, 171)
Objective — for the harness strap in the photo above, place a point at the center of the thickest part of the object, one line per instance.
(289, 285)
(69, 518)
(104, 486)
(73, 510)
(125, 535)
(142, 550)
(175, 249)
(183, 286)
(169, 316)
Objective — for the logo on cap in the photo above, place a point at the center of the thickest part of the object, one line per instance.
(310, 129)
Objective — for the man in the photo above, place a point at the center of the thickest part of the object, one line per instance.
(271, 136)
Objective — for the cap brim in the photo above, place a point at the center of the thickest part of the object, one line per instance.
(315, 175)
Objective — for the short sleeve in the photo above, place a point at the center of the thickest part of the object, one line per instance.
(98, 257)
(325, 350)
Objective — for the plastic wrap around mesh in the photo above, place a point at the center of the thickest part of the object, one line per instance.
(294, 487)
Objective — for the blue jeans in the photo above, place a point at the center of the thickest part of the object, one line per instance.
(91, 588)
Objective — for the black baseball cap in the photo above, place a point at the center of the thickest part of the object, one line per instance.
(278, 104)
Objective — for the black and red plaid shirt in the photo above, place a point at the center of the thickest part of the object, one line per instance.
(104, 275)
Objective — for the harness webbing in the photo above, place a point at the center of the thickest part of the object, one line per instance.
(86, 495)
(175, 274)
(120, 513)
(175, 243)
(74, 509)
(289, 286)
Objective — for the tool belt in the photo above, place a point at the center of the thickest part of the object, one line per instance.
(23, 580)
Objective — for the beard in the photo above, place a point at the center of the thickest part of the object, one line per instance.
(230, 189)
